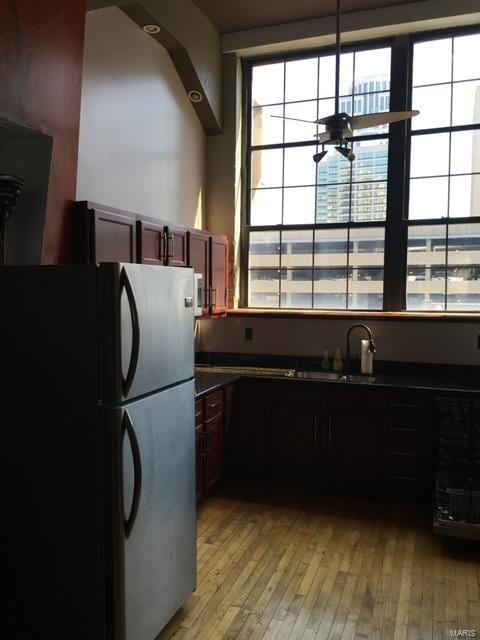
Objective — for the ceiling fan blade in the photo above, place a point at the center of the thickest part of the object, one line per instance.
(377, 119)
(322, 137)
(297, 119)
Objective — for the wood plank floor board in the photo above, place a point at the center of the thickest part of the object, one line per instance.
(293, 564)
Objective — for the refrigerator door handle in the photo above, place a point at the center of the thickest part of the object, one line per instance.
(132, 367)
(129, 521)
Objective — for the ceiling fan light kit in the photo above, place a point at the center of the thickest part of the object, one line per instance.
(339, 127)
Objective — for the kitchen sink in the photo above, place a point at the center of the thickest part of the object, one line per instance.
(335, 377)
(246, 371)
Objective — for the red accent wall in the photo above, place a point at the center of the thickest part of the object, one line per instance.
(41, 59)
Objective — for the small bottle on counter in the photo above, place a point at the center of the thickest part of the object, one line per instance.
(337, 361)
(325, 361)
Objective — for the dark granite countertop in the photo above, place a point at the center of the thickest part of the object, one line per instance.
(211, 378)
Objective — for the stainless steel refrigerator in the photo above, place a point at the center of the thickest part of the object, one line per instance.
(103, 491)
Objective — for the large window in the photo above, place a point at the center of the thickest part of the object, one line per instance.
(315, 234)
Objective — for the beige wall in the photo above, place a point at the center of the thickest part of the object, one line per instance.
(436, 342)
(142, 147)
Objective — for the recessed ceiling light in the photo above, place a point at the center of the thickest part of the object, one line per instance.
(151, 29)
(195, 96)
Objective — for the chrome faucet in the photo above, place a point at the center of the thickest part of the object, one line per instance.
(371, 347)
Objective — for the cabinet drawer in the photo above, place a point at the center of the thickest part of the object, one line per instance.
(403, 440)
(409, 412)
(213, 404)
(198, 412)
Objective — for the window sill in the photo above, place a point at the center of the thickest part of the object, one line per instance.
(428, 316)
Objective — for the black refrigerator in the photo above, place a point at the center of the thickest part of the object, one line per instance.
(100, 438)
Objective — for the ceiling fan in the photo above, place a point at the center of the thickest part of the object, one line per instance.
(339, 126)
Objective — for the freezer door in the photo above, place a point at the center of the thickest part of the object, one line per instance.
(157, 512)
(146, 325)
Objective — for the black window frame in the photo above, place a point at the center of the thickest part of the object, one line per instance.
(396, 223)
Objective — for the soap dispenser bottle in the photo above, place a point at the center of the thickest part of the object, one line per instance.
(337, 361)
(325, 361)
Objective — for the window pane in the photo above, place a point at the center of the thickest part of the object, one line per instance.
(325, 108)
(464, 196)
(333, 203)
(266, 206)
(301, 79)
(296, 289)
(297, 131)
(263, 292)
(429, 155)
(466, 57)
(265, 129)
(264, 250)
(434, 106)
(428, 198)
(297, 249)
(330, 289)
(369, 201)
(432, 62)
(365, 289)
(465, 152)
(463, 244)
(371, 160)
(267, 83)
(326, 75)
(466, 102)
(299, 205)
(373, 65)
(331, 246)
(267, 168)
(426, 268)
(333, 169)
(299, 166)
(367, 247)
(463, 288)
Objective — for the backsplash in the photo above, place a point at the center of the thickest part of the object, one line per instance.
(437, 342)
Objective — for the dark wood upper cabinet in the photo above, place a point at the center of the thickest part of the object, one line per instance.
(218, 274)
(198, 258)
(151, 242)
(104, 235)
(176, 246)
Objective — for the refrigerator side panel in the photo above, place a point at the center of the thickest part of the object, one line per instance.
(147, 329)
(160, 551)
(50, 438)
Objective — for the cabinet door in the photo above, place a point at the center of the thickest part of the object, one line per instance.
(218, 274)
(176, 246)
(249, 427)
(151, 245)
(198, 258)
(295, 428)
(353, 435)
(213, 442)
(104, 235)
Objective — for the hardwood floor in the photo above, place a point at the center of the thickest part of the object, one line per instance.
(287, 564)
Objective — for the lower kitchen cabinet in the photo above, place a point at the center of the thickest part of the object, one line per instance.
(345, 437)
(209, 425)
(353, 436)
(247, 443)
(295, 429)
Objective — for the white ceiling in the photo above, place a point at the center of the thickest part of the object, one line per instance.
(230, 16)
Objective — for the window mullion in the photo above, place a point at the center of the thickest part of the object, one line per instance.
(396, 231)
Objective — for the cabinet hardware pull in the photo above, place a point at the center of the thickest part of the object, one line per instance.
(160, 239)
(214, 404)
(330, 431)
(214, 297)
(315, 429)
(129, 431)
